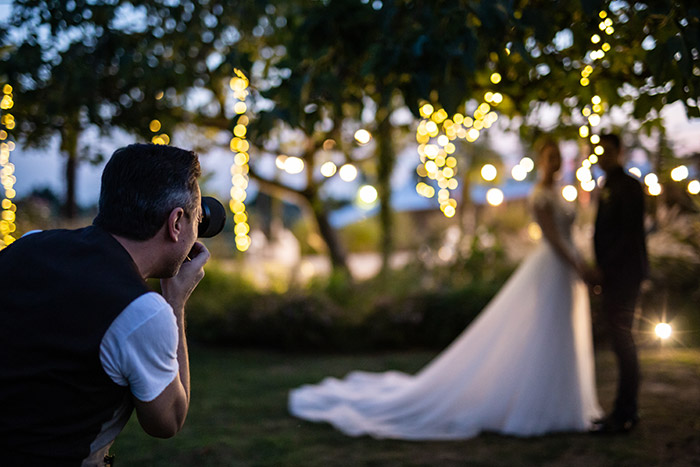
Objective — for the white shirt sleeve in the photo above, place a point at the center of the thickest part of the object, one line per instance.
(139, 349)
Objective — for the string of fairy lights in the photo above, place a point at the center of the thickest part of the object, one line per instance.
(436, 132)
(7, 169)
(239, 169)
(593, 111)
(435, 135)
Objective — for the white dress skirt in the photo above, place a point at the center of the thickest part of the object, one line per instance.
(523, 367)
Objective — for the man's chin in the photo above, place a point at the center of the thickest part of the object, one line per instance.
(167, 273)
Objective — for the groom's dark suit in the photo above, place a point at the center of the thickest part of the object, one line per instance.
(620, 250)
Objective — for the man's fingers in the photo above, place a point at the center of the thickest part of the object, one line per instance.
(199, 254)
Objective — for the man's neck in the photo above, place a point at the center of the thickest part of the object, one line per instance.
(142, 252)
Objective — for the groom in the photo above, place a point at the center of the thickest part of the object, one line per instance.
(621, 256)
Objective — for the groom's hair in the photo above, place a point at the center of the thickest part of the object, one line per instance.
(612, 139)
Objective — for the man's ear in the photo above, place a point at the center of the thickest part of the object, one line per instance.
(174, 224)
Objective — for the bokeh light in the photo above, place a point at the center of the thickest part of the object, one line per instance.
(489, 172)
(679, 173)
(494, 197)
(694, 187)
(570, 193)
(362, 136)
(367, 194)
(293, 165)
(518, 173)
(7, 178)
(663, 330)
(528, 164)
(239, 169)
(328, 169)
(348, 173)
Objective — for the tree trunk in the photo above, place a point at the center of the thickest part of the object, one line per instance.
(336, 251)
(69, 145)
(386, 157)
(308, 200)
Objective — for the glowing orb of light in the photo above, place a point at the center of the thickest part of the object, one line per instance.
(583, 174)
(328, 169)
(494, 197)
(293, 165)
(651, 179)
(362, 136)
(679, 173)
(636, 172)
(588, 186)
(489, 172)
(570, 193)
(655, 190)
(426, 110)
(519, 173)
(348, 173)
(663, 330)
(367, 194)
(527, 163)
(694, 187)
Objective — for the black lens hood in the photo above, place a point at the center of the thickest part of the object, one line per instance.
(213, 217)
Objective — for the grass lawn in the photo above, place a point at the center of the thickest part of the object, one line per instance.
(238, 417)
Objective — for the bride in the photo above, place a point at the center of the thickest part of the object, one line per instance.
(524, 367)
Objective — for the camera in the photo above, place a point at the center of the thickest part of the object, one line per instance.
(213, 218)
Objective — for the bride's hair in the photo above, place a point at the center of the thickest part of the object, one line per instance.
(544, 147)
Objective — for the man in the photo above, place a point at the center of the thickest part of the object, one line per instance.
(620, 250)
(83, 340)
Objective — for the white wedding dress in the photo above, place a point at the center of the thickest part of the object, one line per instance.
(523, 367)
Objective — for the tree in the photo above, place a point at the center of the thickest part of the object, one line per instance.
(79, 64)
(322, 67)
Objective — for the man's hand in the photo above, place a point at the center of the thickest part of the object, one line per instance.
(176, 290)
(164, 416)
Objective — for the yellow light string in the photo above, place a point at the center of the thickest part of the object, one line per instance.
(435, 135)
(593, 111)
(239, 169)
(7, 169)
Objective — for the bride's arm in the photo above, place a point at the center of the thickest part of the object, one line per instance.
(545, 218)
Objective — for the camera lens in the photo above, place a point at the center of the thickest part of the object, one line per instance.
(213, 217)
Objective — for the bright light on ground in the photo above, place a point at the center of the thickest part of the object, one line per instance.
(663, 330)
